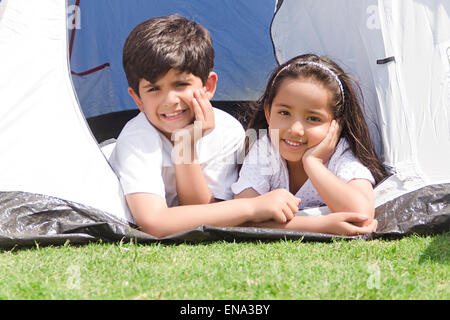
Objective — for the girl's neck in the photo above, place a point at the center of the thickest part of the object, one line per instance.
(297, 175)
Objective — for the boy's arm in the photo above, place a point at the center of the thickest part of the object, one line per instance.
(154, 217)
(191, 184)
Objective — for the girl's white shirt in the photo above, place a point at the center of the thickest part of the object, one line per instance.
(265, 170)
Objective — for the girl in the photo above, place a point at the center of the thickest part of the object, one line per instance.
(318, 147)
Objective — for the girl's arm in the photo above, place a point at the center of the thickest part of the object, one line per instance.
(154, 217)
(340, 223)
(354, 196)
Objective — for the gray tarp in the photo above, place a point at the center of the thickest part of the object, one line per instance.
(27, 219)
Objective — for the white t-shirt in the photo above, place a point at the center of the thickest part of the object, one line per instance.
(264, 170)
(142, 158)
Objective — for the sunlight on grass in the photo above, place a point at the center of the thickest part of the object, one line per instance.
(410, 268)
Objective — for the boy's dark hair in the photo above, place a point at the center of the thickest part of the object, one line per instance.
(348, 110)
(159, 44)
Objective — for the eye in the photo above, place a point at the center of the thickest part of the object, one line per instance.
(152, 89)
(314, 119)
(283, 113)
(182, 84)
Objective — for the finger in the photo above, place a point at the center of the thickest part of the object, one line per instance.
(293, 205)
(202, 100)
(288, 213)
(333, 133)
(328, 141)
(361, 230)
(339, 126)
(198, 111)
(207, 108)
(280, 217)
(294, 199)
(329, 135)
(355, 217)
(358, 230)
(337, 133)
(374, 225)
(349, 229)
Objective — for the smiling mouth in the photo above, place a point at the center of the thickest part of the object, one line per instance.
(293, 143)
(174, 115)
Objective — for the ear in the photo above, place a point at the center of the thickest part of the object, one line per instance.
(211, 85)
(136, 99)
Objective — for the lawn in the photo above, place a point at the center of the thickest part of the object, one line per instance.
(414, 267)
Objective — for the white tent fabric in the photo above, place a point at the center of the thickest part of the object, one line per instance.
(45, 144)
(407, 101)
(47, 148)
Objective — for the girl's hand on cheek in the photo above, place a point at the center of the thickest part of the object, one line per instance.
(325, 149)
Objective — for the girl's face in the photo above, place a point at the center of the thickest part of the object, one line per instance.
(302, 114)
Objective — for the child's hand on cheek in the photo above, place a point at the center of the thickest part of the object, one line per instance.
(325, 149)
(204, 113)
(204, 121)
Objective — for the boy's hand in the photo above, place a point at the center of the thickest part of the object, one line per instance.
(347, 223)
(325, 149)
(185, 138)
(204, 113)
(279, 205)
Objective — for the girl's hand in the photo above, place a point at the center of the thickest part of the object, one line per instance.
(325, 149)
(347, 223)
(279, 205)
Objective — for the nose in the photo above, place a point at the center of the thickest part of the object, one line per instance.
(297, 129)
(171, 98)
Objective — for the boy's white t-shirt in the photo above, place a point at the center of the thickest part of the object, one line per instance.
(142, 158)
(264, 170)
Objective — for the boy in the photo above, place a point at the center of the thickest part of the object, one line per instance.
(173, 169)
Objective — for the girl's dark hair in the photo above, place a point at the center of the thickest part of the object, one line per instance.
(346, 108)
(159, 44)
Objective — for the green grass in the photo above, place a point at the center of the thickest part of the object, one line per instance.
(410, 268)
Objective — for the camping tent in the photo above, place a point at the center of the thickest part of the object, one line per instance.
(60, 63)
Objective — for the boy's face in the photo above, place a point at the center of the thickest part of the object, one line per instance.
(167, 103)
